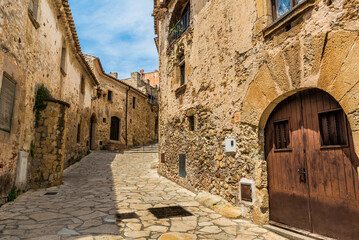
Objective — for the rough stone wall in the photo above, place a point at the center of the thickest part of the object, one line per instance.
(31, 55)
(48, 163)
(140, 121)
(239, 66)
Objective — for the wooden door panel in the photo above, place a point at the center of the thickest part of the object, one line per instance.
(288, 196)
(334, 208)
(335, 217)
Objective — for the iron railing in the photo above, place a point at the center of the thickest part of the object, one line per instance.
(181, 26)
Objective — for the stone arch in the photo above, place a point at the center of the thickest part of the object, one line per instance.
(177, 12)
(332, 68)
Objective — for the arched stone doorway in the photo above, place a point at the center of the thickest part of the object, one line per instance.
(312, 166)
(93, 132)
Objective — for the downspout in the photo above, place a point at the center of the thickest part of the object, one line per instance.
(126, 114)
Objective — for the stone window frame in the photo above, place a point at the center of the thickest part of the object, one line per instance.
(180, 74)
(33, 12)
(8, 77)
(284, 21)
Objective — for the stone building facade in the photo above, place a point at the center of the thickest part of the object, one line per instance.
(124, 114)
(40, 50)
(224, 68)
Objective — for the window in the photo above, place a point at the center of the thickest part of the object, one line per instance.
(115, 129)
(33, 12)
(109, 96)
(78, 133)
(7, 101)
(191, 123)
(281, 135)
(182, 165)
(280, 7)
(176, 29)
(63, 60)
(182, 67)
(33, 8)
(104, 120)
(133, 102)
(333, 128)
(82, 86)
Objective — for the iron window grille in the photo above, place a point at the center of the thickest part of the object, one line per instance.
(281, 135)
(181, 26)
(333, 128)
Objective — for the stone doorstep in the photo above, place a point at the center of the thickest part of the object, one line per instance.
(293, 235)
(219, 205)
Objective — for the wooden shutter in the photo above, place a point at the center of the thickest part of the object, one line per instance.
(7, 101)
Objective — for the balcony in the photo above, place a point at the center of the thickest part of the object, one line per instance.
(181, 26)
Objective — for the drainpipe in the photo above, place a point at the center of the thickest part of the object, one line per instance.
(126, 115)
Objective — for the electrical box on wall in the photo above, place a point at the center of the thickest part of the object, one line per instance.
(246, 191)
(230, 145)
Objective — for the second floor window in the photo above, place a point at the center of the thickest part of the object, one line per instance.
(133, 102)
(182, 67)
(82, 85)
(63, 60)
(109, 96)
(280, 7)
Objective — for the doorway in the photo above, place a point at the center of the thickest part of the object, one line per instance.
(312, 166)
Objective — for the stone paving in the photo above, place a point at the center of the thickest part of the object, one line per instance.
(97, 192)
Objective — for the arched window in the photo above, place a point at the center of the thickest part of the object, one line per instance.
(115, 129)
(180, 22)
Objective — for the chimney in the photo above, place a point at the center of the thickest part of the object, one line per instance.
(114, 74)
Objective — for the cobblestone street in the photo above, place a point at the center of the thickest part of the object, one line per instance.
(103, 186)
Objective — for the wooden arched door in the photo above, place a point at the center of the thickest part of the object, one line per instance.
(312, 166)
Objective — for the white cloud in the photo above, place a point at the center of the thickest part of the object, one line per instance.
(120, 32)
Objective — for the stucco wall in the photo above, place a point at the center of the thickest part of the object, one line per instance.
(237, 71)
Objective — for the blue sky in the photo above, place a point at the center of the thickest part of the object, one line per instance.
(119, 32)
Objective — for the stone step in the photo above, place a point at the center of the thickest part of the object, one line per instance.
(294, 235)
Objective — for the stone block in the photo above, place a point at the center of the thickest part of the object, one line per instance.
(348, 74)
(336, 51)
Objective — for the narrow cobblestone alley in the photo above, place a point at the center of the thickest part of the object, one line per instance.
(100, 189)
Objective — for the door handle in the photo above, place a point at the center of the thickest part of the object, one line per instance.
(302, 175)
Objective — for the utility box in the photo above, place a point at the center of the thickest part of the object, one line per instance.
(230, 145)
